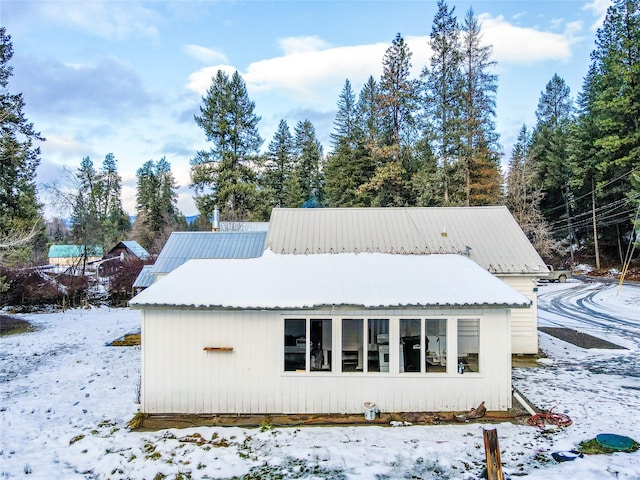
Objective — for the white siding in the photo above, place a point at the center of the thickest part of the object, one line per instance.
(524, 321)
(180, 377)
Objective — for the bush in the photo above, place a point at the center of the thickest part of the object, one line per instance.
(121, 282)
(33, 287)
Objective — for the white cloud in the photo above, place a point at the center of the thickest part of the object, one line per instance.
(104, 19)
(599, 10)
(293, 45)
(64, 144)
(204, 54)
(526, 46)
(309, 66)
(200, 80)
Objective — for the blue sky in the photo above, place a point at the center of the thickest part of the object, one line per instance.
(127, 78)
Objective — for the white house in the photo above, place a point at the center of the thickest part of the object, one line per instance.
(487, 235)
(326, 333)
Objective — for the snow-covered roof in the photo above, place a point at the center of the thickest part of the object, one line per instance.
(490, 236)
(305, 281)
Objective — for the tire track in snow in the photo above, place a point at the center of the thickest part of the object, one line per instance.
(576, 307)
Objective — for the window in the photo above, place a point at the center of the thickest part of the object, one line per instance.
(320, 334)
(297, 351)
(423, 345)
(378, 345)
(295, 345)
(352, 345)
(362, 345)
(468, 345)
(410, 345)
(435, 332)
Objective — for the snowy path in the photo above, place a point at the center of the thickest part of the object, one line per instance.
(66, 398)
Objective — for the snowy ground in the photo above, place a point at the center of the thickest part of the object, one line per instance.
(66, 398)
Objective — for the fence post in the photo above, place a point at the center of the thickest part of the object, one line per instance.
(492, 451)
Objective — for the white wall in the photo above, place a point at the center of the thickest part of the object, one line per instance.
(180, 377)
(524, 321)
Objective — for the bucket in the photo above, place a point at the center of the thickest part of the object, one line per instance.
(369, 411)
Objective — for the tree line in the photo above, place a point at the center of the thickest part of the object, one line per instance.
(432, 141)
(400, 141)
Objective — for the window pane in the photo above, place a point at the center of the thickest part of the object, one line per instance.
(295, 345)
(320, 345)
(410, 349)
(435, 332)
(352, 345)
(468, 345)
(378, 345)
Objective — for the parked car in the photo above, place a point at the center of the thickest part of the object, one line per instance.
(558, 275)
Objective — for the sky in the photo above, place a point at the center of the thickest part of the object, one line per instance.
(127, 78)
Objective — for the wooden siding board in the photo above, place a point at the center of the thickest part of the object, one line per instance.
(251, 379)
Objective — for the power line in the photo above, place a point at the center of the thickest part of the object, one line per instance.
(596, 189)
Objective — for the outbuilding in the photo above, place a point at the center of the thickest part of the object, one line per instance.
(489, 236)
(303, 334)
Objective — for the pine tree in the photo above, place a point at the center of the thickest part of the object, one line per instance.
(224, 174)
(86, 227)
(115, 222)
(397, 95)
(480, 152)
(20, 210)
(157, 213)
(549, 149)
(277, 177)
(397, 105)
(443, 84)
(349, 164)
(308, 166)
(606, 142)
(98, 218)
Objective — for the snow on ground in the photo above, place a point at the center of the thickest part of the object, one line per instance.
(66, 399)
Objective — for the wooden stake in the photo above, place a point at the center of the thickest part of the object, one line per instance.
(492, 451)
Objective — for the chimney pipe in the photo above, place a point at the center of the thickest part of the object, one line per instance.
(215, 225)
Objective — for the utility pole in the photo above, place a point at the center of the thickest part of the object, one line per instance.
(569, 227)
(595, 227)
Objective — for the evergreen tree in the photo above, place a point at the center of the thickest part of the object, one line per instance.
(349, 164)
(308, 166)
(115, 222)
(86, 228)
(606, 142)
(443, 84)
(224, 174)
(397, 105)
(20, 211)
(397, 96)
(277, 177)
(345, 125)
(157, 213)
(98, 219)
(480, 152)
(549, 149)
(369, 114)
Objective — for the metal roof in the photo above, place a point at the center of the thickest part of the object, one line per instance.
(369, 280)
(183, 246)
(72, 251)
(135, 248)
(144, 278)
(488, 235)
